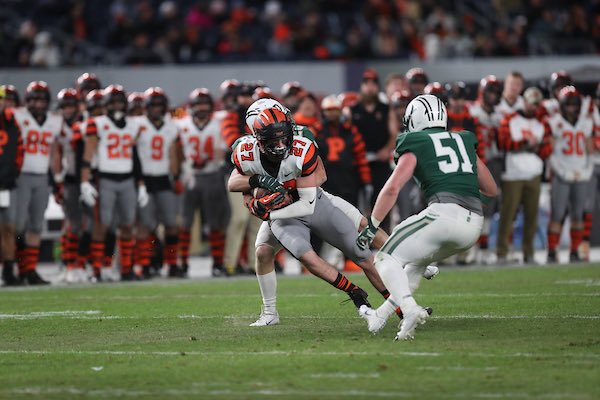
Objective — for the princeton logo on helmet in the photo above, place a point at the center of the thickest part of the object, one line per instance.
(425, 111)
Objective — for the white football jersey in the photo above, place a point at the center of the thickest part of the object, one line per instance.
(301, 161)
(570, 159)
(551, 107)
(115, 145)
(205, 146)
(153, 145)
(37, 139)
(489, 124)
(508, 109)
(68, 152)
(524, 165)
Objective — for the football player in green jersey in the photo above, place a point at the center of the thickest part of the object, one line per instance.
(454, 181)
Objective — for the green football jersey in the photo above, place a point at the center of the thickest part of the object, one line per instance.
(446, 161)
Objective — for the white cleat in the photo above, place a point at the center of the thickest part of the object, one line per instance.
(415, 316)
(267, 319)
(76, 275)
(431, 272)
(374, 321)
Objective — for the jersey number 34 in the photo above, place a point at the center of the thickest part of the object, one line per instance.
(454, 161)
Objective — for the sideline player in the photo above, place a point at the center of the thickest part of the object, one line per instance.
(111, 137)
(160, 157)
(11, 161)
(453, 179)
(203, 177)
(40, 130)
(571, 170)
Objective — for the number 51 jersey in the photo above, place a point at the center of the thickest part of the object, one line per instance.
(302, 160)
(446, 161)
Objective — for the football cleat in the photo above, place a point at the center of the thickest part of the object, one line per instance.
(359, 297)
(374, 321)
(175, 271)
(552, 258)
(76, 275)
(431, 272)
(266, 319)
(33, 278)
(413, 317)
(129, 276)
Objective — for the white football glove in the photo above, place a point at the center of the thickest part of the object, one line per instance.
(143, 197)
(89, 194)
(187, 175)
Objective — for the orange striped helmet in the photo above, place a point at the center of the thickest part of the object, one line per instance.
(274, 132)
(67, 96)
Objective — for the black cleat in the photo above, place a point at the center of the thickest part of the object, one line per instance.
(574, 257)
(185, 268)
(175, 271)
(552, 259)
(147, 272)
(129, 276)
(220, 270)
(8, 275)
(32, 278)
(359, 297)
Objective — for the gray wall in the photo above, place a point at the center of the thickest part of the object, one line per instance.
(179, 81)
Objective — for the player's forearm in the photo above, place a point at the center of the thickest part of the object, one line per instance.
(389, 193)
(238, 182)
(301, 208)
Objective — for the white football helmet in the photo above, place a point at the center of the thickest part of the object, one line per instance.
(261, 104)
(425, 111)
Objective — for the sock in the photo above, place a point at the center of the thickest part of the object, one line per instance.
(396, 281)
(8, 268)
(342, 283)
(587, 225)
(268, 291)
(97, 255)
(20, 252)
(414, 275)
(388, 308)
(64, 248)
(126, 251)
(483, 241)
(83, 251)
(143, 252)
(553, 239)
(386, 295)
(170, 250)
(576, 239)
(184, 245)
(216, 239)
(72, 247)
(31, 255)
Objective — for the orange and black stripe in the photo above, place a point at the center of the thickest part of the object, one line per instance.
(143, 252)
(126, 251)
(236, 161)
(587, 225)
(184, 245)
(170, 249)
(216, 240)
(230, 128)
(269, 116)
(311, 159)
(91, 129)
(359, 154)
(505, 141)
(343, 283)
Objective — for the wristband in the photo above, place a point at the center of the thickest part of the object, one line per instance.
(374, 221)
(253, 181)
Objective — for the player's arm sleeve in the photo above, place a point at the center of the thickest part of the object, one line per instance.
(310, 160)
(20, 153)
(230, 129)
(91, 128)
(505, 141)
(360, 157)
(545, 148)
(304, 206)
(480, 149)
(235, 160)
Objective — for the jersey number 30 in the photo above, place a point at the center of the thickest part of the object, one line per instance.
(453, 163)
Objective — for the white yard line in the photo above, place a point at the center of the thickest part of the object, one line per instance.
(300, 353)
(277, 393)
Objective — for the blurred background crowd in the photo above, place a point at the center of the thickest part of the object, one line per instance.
(52, 33)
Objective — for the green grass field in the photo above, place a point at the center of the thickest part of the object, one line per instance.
(512, 333)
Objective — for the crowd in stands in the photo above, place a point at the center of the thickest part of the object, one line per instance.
(53, 33)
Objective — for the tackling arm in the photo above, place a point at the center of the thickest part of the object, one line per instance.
(389, 193)
(307, 192)
(487, 184)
